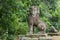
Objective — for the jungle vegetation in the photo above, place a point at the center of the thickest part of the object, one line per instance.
(13, 16)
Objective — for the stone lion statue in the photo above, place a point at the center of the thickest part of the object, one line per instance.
(34, 20)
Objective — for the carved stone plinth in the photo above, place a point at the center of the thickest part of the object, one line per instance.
(36, 35)
(53, 34)
(47, 36)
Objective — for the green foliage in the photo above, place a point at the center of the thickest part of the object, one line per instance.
(13, 15)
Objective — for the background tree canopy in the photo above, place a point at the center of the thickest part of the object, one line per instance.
(13, 16)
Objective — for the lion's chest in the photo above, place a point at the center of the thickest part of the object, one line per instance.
(33, 20)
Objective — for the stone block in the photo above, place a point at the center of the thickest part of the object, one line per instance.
(45, 38)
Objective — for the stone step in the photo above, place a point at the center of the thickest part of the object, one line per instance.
(47, 36)
(41, 38)
(53, 34)
(36, 35)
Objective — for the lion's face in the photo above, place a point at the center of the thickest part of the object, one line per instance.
(34, 10)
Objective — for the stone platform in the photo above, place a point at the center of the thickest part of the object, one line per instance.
(36, 35)
(53, 34)
(48, 36)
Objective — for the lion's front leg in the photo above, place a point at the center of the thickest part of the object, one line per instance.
(31, 29)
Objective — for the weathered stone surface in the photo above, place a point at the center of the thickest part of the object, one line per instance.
(37, 37)
(53, 34)
(45, 38)
(41, 38)
(25, 38)
(56, 38)
(29, 38)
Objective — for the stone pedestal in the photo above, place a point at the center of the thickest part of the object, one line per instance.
(36, 35)
(39, 37)
(53, 34)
